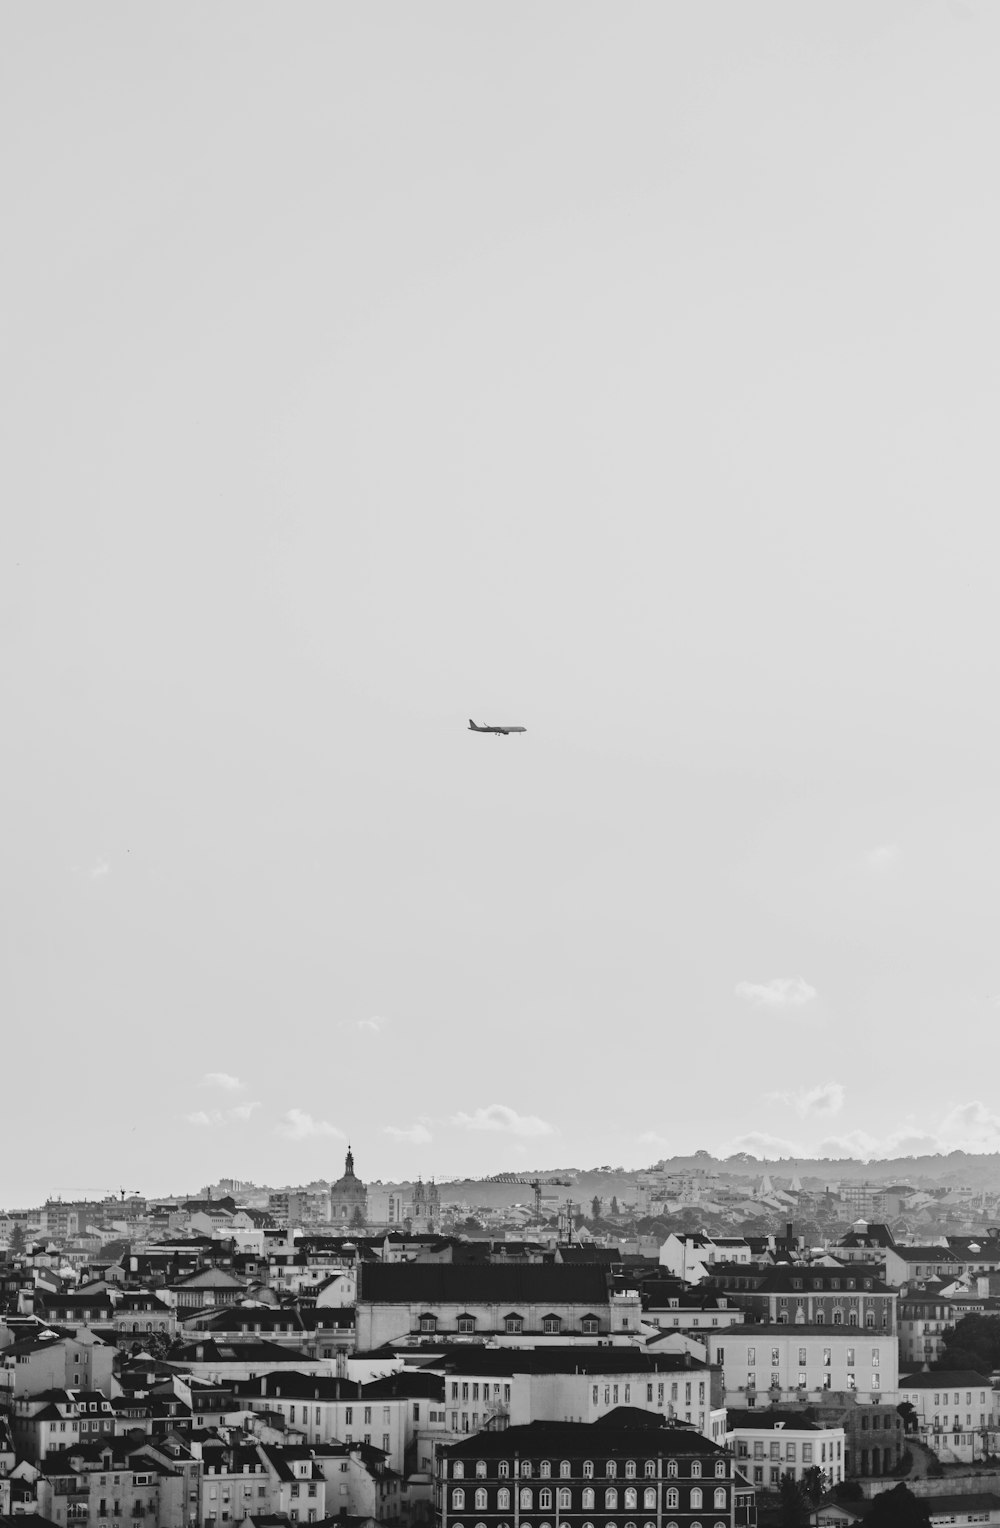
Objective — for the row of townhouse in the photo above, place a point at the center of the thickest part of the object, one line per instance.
(205, 1479)
(956, 1412)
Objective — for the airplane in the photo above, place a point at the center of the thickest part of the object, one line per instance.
(500, 731)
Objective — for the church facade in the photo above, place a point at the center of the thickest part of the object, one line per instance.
(348, 1197)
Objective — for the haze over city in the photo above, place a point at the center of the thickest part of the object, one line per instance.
(628, 373)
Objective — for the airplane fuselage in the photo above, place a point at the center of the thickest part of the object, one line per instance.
(497, 731)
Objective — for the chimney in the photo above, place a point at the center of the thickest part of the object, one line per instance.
(788, 1233)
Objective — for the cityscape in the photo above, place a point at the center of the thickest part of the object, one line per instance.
(700, 1340)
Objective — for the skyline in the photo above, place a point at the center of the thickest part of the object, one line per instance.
(630, 372)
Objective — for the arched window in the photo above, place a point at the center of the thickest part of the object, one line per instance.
(526, 1468)
(481, 1500)
(650, 1467)
(720, 1525)
(629, 1469)
(458, 1469)
(695, 1498)
(673, 1500)
(720, 1496)
(545, 1500)
(545, 1469)
(720, 1467)
(610, 1499)
(525, 1498)
(565, 1469)
(587, 1500)
(869, 1318)
(588, 1469)
(565, 1499)
(480, 1469)
(838, 1318)
(631, 1498)
(611, 1469)
(629, 1525)
(503, 1468)
(852, 1318)
(671, 1467)
(820, 1318)
(696, 1469)
(695, 1525)
(649, 1498)
(503, 1499)
(458, 1499)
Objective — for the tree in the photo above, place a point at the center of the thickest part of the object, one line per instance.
(17, 1238)
(595, 1208)
(358, 1219)
(898, 1508)
(973, 1343)
(795, 1504)
(614, 1204)
(814, 1483)
(908, 1412)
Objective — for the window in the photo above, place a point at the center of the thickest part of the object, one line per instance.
(513, 1324)
(696, 1469)
(587, 1499)
(720, 1497)
(466, 1324)
(610, 1499)
(526, 1469)
(590, 1325)
(480, 1500)
(671, 1467)
(649, 1498)
(588, 1469)
(611, 1469)
(545, 1500)
(551, 1325)
(673, 1500)
(650, 1467)
(503, 1468)
(631, 1499)
(458, 1469)
(458, 1499)
(565, 1469)
(428, 1323)
(720, 1468)
(525, 1498)
(629, 1467)
(565, 1499)
(695, 1498)
(544, 1469)
(503, 1499)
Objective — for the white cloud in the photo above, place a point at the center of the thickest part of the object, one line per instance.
(372, 1026)
(417, 1135)
(781, 992)
(243, 1111)
(99, 869)
(882, 857)
(297, 1125)
(501, 1117)
(825, 1098)
(222, 1080)
(231, 1116)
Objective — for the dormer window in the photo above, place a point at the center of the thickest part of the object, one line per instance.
(590, 1325)
(466, 1324)
(428, 1323)
(513, 1324)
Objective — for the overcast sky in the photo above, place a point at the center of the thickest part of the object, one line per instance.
(629, 372)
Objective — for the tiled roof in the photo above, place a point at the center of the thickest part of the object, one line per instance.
(559, 1360)
(483, 1284)
(583, 1440)
(944, 1379)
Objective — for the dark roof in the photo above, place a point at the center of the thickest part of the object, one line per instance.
(483, 1284)
(585, 1440)
(767, 1421)
(944, 1379)
(478, 1360)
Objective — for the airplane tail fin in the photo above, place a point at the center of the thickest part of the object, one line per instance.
(472, 725)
